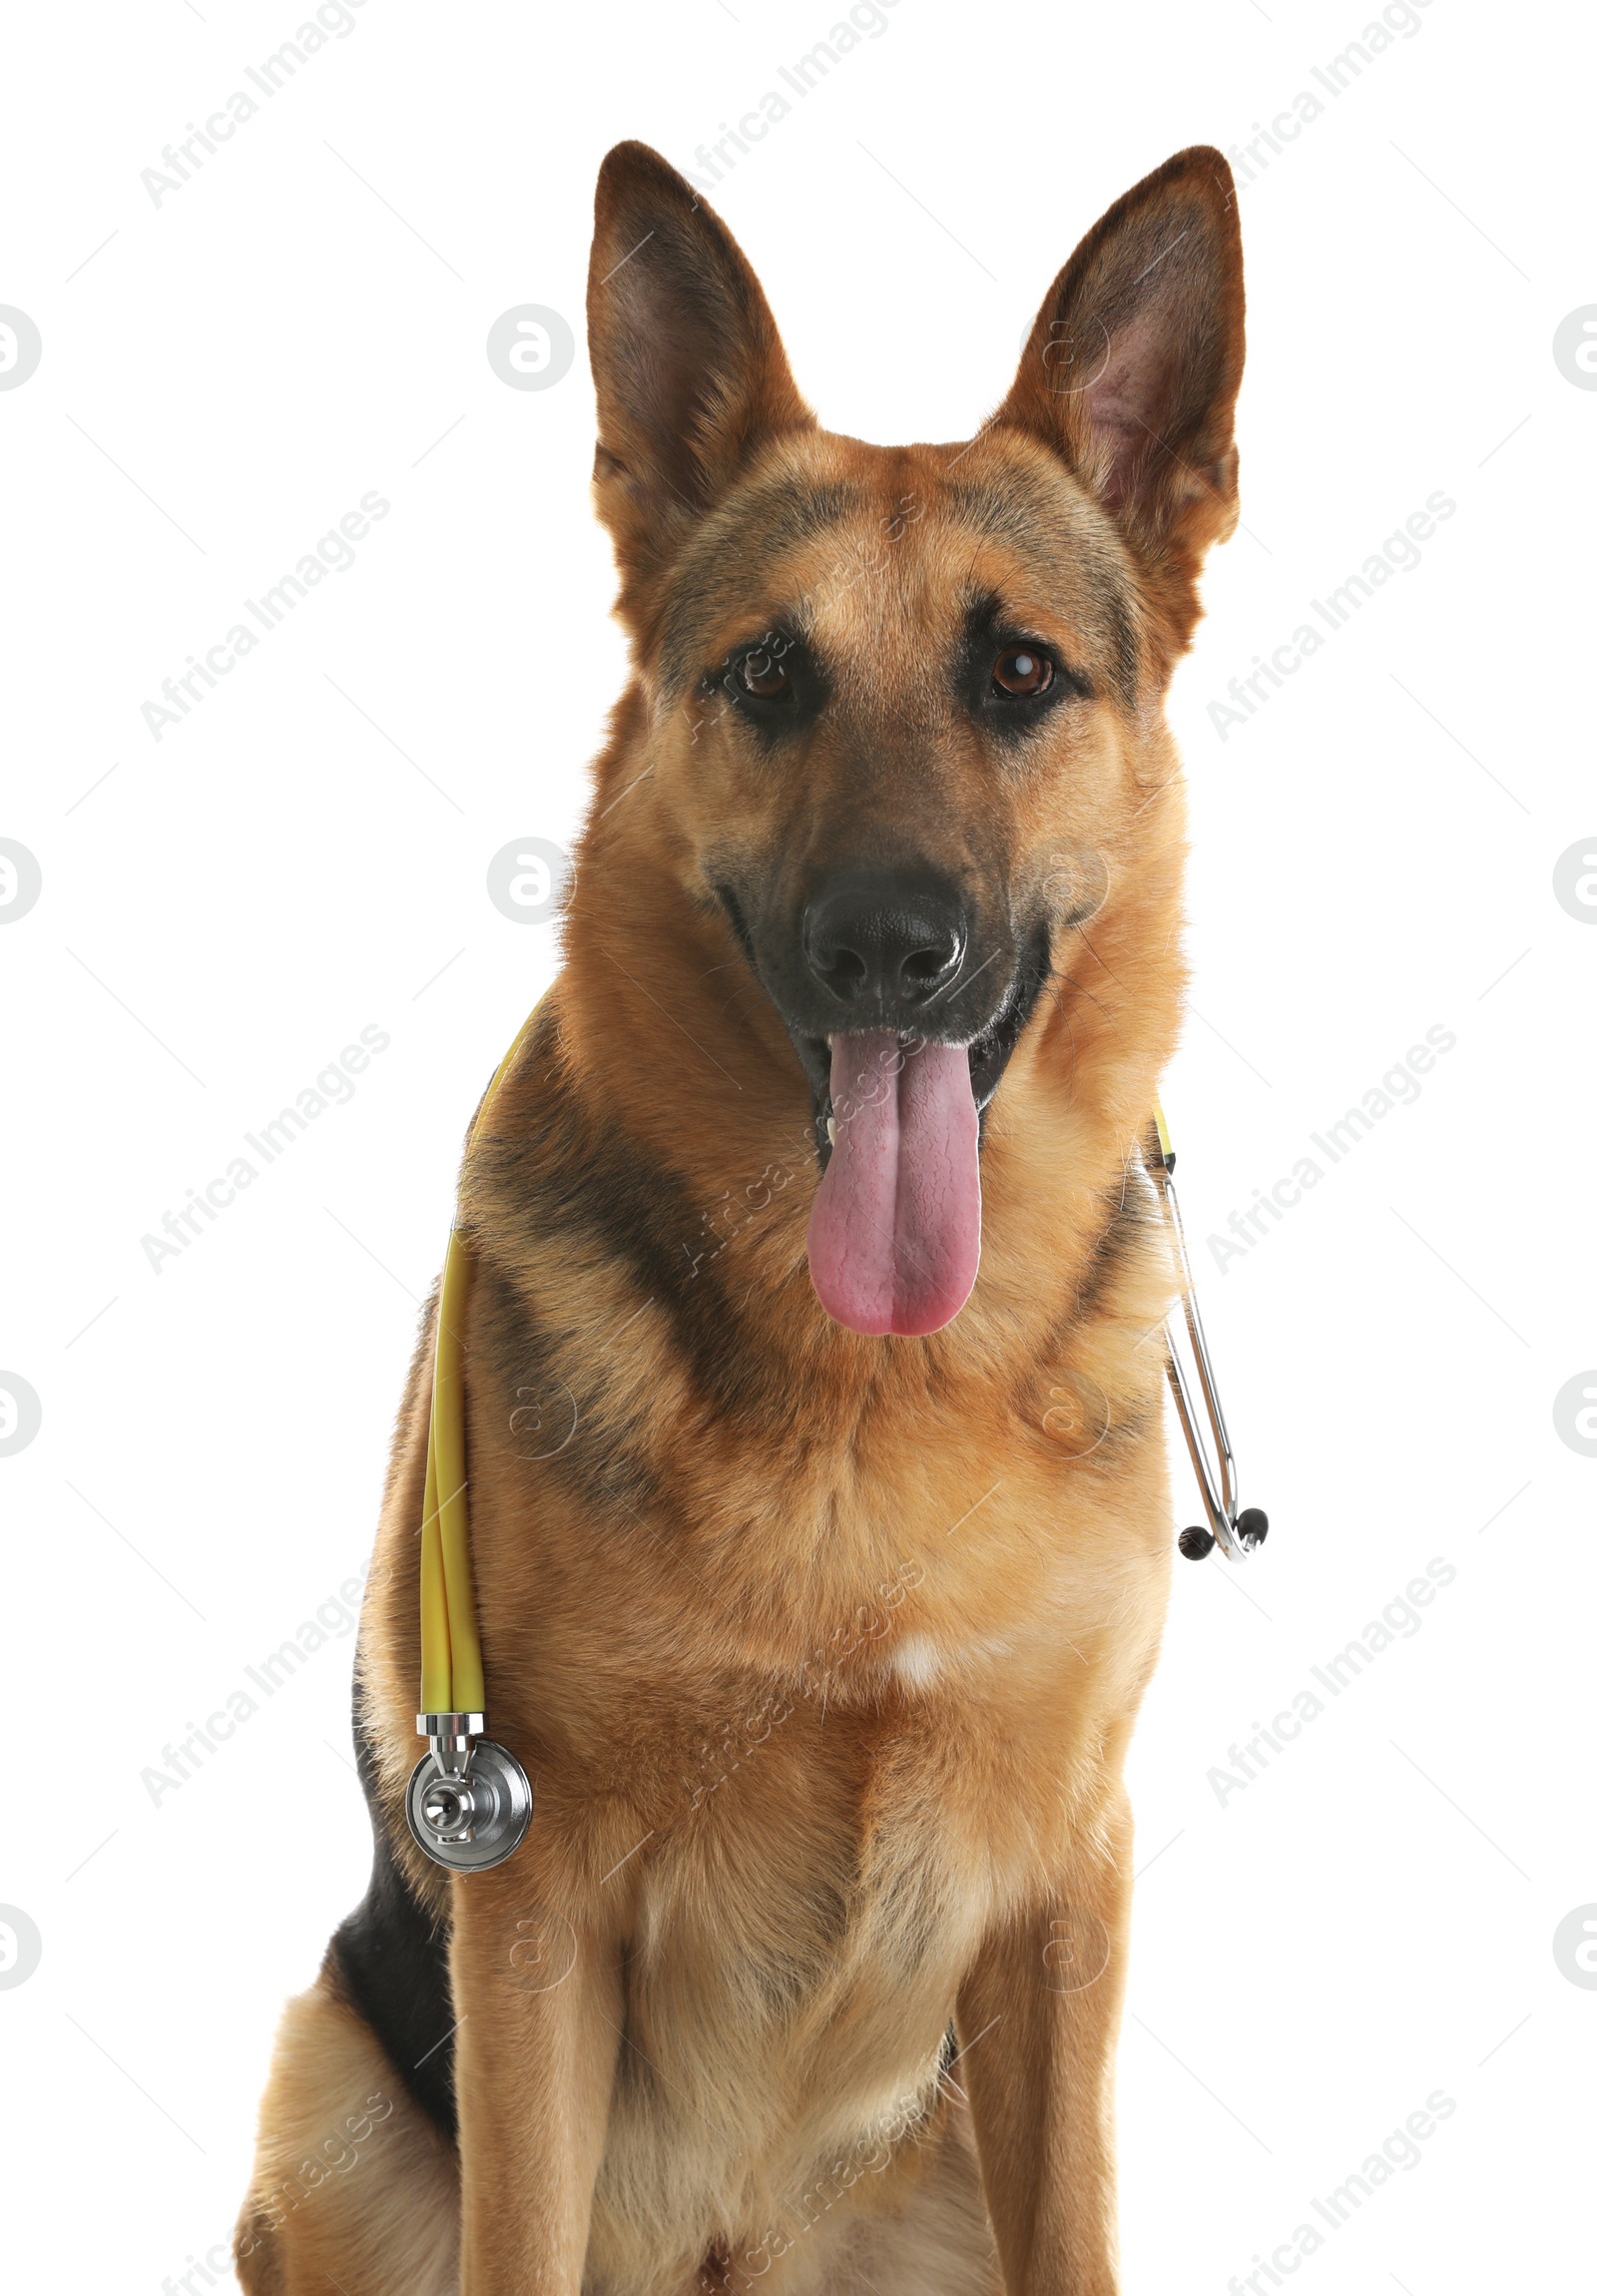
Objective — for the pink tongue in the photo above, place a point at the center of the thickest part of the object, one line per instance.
(896, 1233)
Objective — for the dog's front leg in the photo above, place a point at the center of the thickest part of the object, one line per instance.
(1038, 2015)
(539, 2006)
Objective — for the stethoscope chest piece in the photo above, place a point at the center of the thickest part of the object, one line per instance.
(470, 1801)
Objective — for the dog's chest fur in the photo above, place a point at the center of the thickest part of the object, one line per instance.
(798, 1930)
(818, 1725)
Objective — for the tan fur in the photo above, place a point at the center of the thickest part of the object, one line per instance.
(822, 1651)
(348, 2177)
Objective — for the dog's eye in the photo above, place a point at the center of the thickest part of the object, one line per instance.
(1022, 672)
(761, 674)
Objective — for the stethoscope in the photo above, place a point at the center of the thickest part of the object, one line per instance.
(1236, 1534)
(470, 1801)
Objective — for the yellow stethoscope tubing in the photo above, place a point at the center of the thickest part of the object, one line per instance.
(451, 1655)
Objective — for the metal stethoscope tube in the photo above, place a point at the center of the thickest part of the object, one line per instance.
(1235, 1533)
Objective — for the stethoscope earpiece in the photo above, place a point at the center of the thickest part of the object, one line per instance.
(1253, 1525)
(1197, 1539)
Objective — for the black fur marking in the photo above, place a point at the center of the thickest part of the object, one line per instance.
(572, 1175)
(1127, 1223)
(731, 554)
(392, 1960)
(1062, 545)
(1004, 719)
(795, 711)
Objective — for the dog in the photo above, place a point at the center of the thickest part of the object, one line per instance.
(814, 1357)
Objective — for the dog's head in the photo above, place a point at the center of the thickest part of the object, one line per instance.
(901, 707)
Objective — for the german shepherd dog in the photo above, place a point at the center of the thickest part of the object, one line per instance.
(820, 1570)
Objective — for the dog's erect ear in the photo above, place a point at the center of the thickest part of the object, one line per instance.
(1131, 368)
(688, 369)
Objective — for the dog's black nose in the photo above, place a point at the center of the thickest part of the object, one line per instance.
(893, 940)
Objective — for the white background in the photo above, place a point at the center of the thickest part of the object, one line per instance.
(222, 379)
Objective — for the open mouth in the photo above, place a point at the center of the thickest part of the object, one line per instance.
(987, 1053)
(896, 1231)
